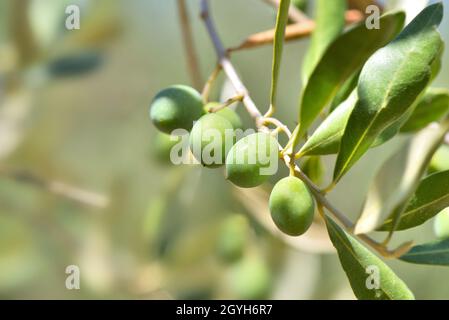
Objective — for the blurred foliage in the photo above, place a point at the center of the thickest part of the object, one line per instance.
(159, 235)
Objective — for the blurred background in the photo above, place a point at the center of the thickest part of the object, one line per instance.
(85, 178)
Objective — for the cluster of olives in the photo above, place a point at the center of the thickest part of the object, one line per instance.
(249, 161)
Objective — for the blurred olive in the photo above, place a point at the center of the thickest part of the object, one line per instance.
(226, 113)
(76, 64)
(232, 238)
(440, 161)
(250, 278)
(441, 225)
(162, 146)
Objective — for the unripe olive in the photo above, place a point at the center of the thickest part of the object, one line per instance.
(209, 139)
(233, 237)
(292, 207)
(227, 113)
(252, 160)
(250, 278)
(440, 160)
(441, 225)
(176, 107)
(162, 146)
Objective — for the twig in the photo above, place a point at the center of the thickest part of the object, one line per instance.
(192, 59)
(292, 32)
(227, 103)
(294, 13)
(226, 64)
(209, 83)
(73, 193)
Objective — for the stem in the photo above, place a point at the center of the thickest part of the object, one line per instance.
(227, 103)
(209, 84)
(226, 64)
(294, 13)
(192, 58)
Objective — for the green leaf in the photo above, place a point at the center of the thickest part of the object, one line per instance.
(390, 82)
(431, 107)
(313, 168)
(357, 261)
(326, 139)
(435, 253)
(345, 56)
(431, 197)
(330, 21)
(345, 91)
(398, 178)
(281, 23)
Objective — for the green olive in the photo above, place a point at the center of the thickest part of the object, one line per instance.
(440, 160)
(162, 146)
(233, 237)
(250, 278)
(227, 113)
(209, 140)
(292, 207)
(441, 225)
(176, 107)
(252, 160)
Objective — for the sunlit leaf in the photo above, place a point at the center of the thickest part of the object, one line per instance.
(435, 253)
(399, 177)
(345, 56)
(431, 197)
(431, 107)
(358, 263)
(330, 21)
(390, 82)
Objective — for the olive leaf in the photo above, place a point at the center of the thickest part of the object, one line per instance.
(399, 177)
(345, 91)
(434, 253)
(358, 263)
(432, 107)
(327, 138)
(343, 58)
(313, 167)
(431, 197)
(389, 83)
(330, 21)
(281, 23)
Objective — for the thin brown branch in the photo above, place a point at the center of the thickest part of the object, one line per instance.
(192, 58)
(294, 14)
(292, 32)
(77, 194)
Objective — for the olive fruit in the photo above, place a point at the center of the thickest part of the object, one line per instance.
(226, 113)
(176, 107)
(292, 207)
(441, 225)
(250, 278)
(209, 140)
(162, 146)
(232, 238)
(252, 160)
(440, 160)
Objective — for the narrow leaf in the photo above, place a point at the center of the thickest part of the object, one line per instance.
(357, 261)
(435, 253)
(345, 91)
(431, 197)
(399, 177)
(344, 57)
(330, 21)
(281, 23)
(432, 107)
(390, 82)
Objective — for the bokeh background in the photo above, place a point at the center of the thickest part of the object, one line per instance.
(81, 183)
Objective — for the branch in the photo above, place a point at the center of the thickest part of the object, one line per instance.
(226, 64)
(255, 113)
(292, 32)
(192, 58)
(59, 188)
